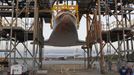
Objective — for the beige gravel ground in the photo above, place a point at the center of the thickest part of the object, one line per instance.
(79, 72)
(73, 70)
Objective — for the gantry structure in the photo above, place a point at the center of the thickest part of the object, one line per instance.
(119, 31)
(15, 16)
(15, 27)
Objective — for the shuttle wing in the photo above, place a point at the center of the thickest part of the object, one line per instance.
(63, 44)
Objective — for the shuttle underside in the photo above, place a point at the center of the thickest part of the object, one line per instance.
(65, 32)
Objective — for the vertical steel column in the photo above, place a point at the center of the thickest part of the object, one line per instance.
(87, 40)
(119, 46)
(127, 41)
(102, 65)
(88, 61)
(130, 22)
(84, 58)
(132, 45)
(16, 12)
(40, 56)
(40, 39)
(90, 58)
(87, 26)
(87, 23)
(15, 50)
(35, 32)
(11, 30)
(116, 13)
(123, 30)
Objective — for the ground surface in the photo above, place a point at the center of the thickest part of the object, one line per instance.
(71, 69)
(82, 72)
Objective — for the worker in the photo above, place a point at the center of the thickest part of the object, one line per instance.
(123, 70)
(133, 69)
(129, 70)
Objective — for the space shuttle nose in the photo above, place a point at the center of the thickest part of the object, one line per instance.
(65, 32)
(66, 19)
(66, 16)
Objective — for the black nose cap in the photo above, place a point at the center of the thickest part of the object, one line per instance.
(61, 1)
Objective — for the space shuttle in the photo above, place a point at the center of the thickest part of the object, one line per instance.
(64, 30)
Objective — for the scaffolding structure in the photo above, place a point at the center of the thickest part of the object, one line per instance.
(22, 21)
(121, 31)
(14, 12)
